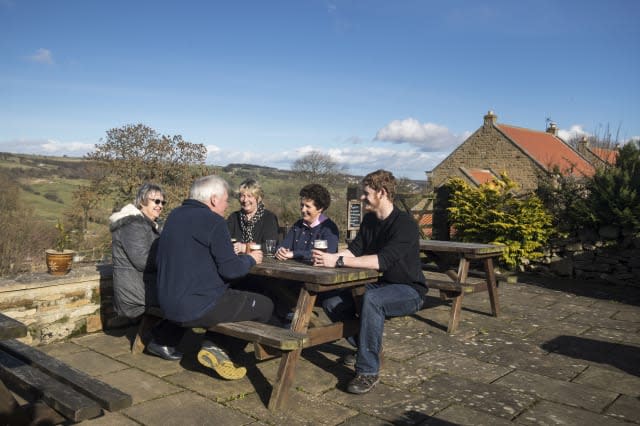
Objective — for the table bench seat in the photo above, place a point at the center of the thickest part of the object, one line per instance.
(264, 334)
(30, 381)
(105, 395)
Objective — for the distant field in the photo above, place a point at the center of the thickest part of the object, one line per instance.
(49, 208)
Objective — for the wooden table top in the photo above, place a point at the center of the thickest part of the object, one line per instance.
(460, 247)
(298, 271)
(10, 328)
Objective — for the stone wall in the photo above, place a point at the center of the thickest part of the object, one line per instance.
(614, 260)
(488, 148)
(54, 308)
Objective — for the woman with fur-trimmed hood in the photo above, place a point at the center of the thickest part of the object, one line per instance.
(134, 234)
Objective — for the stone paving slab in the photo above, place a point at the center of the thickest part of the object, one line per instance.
(549, 413)
(186, 408)
(611, 380)
(625, 408)
(556, 367)
(496, 400)
(92, 363)
(460, 415)
(574, 394)
(140, 385)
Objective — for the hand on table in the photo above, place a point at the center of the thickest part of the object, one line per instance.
(284, 253)
(327, 260)
(257, 255)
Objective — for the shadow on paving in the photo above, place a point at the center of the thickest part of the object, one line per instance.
(622, 357)
(596, 289)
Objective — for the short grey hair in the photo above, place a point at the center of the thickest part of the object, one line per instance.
(205, 187)
(144, 191)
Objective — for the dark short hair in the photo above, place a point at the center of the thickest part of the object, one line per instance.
(144, 191)
(379, 180)
(318, 193)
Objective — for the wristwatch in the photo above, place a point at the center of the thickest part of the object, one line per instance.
(340, 262)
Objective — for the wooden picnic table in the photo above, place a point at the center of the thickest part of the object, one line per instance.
(314, 280)
(456, 286)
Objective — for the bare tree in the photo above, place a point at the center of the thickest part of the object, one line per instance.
(317, 167)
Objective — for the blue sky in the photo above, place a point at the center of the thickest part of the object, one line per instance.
(392, 84)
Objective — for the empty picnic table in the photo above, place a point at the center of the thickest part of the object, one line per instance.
(456, 285)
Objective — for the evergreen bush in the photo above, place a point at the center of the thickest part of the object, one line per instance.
(493, 213)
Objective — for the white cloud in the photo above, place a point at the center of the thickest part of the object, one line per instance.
(359, 160)
(574, 132)
(74, 148)
(428, 137)
(42, 56)
(46, 147)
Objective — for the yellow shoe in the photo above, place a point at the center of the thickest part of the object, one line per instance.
(215, 358)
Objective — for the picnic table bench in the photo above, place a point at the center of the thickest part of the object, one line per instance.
(30, 372)
(453, 285)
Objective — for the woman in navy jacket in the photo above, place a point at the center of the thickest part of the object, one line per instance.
(314, 225)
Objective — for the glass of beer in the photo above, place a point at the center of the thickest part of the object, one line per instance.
(253, 247)
(321, 245)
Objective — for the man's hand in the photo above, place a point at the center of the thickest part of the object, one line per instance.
(257, 255)
(327, 260)
(284, 253)
(239, 248)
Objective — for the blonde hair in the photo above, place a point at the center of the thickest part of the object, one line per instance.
(252, 187)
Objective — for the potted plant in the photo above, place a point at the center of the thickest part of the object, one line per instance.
(59, 260)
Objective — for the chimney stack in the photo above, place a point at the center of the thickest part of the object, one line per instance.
(490, 119)
(584, 142)
(552, 128)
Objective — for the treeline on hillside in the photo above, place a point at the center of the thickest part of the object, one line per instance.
(32, 166)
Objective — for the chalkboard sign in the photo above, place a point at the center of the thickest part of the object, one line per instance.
(355, 215)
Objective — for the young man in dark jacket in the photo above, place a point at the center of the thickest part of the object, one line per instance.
(387, 241)
(196, 262)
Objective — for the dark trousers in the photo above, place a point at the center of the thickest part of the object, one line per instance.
(233, 306)
(167, 333)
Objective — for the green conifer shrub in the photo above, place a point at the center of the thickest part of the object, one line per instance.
(493, 213)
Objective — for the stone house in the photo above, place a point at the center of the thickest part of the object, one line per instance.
(522, 153)
(493, 149)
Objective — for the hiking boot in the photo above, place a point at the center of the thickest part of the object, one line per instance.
(362, 383)
(213, 357)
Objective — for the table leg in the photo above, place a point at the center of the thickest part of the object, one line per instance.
(456, 304)
(287, 369)
(491, 286)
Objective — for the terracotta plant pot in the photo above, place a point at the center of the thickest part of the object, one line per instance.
(59, 263)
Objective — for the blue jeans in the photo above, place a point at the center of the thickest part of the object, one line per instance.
(378, 302)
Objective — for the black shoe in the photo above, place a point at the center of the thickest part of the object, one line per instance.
(362, 384)
(165, 352)
(349, 360)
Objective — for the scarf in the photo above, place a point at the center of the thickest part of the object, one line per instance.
(248, 225)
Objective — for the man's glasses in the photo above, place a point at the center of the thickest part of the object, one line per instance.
(158, 202)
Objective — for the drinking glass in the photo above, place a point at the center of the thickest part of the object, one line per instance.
(320, 245)
(270, 247)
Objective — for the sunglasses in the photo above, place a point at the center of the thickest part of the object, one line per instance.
(158, 202)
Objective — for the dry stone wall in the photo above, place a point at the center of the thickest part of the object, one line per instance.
(591, 256)
(55, 308)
